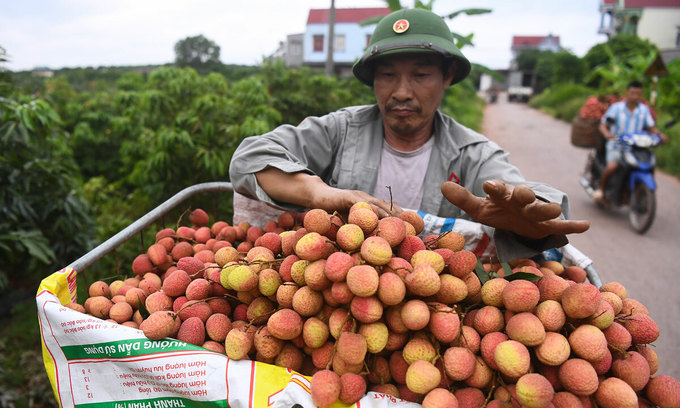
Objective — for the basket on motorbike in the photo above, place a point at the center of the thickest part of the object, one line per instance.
(585, 133)
(93, 362)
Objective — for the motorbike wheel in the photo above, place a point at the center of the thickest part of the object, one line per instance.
(642, 208)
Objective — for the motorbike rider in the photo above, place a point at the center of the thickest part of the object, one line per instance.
(627, 116)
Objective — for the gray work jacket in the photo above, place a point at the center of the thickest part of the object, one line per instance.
(344, 148)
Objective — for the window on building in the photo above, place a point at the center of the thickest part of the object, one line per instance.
(368, 39)
(318, 43)
(677, 38)
(339, 45)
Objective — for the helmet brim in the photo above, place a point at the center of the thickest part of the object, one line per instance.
(363, 68)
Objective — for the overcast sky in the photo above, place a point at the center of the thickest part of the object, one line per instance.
(81, 33)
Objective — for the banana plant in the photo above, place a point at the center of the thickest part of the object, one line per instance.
(618, 71)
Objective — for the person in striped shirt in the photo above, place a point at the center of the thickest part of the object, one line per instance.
(627, 116)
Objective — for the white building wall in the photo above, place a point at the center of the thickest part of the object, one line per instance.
(355, 42)
(660, 26)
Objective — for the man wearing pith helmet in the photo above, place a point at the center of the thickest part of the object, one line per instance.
(432, 163)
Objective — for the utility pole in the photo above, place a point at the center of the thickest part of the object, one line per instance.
(331, 40)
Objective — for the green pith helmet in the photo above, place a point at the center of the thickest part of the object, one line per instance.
(411, 30)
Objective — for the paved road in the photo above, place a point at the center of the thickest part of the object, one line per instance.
(647, 265)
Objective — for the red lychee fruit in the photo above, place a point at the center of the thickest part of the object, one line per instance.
(351, 347)
(285, 324)
(578, 377)
(632, 368)
(159, 325)
(353, 388)
(365, 218)
(459, 363)
(581, 300)
(664, 391)
(462, 263)
(440, 397)
(376, 251)
(199, 217)
(534, 391)
(512, 358)
(643, 329)
(409, 246)
(452, 240)
(363, 280)
(615, 393)
(414, 219)
(422, 377)
(423, 281)
(520, 296)
(337, 265)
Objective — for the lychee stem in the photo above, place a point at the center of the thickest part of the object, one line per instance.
(621, 351)
(430, 243)
(337, 214)
(179, 220)
(389, 188)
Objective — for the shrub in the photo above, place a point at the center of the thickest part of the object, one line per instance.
(563, 100)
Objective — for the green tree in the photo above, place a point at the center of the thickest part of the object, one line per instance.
(528, 59)
(669, 91)
(550, 68)
(568, 68)
(5, 78)
(45, 222)
(623, 46)
(197, 52)
(298, 93)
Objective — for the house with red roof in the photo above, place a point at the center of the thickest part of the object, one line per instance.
(350, 38)
(655, 20)
(544, 43)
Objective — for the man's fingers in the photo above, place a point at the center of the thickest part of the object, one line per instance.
(564, 227)
(522, 195)
(461, 197)
(540, 211)
(496, 189)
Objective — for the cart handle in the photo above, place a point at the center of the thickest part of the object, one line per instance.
(149, 218)
(593, 276)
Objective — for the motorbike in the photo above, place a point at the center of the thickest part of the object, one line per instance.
(492, 95)
(633, 183)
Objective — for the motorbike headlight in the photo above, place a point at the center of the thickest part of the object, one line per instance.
(629, 158)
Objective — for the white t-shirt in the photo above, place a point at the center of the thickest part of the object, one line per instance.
(405, 173)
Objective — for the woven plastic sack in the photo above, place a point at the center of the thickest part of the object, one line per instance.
(92, 363)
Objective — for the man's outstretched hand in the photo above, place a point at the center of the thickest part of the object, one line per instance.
(513, 208)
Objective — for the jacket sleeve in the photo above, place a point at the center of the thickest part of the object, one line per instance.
(494, 164)
(307, 148)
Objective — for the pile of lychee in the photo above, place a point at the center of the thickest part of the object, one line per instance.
(366, 304)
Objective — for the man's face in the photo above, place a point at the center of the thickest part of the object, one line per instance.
(634, 95)
(409, 89)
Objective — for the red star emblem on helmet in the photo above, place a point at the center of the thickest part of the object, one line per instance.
(400, 26)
